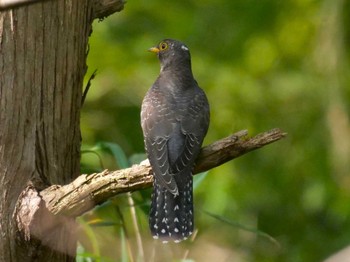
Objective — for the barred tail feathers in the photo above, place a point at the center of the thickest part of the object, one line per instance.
(171, 216)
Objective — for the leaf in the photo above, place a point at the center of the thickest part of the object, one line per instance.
(93, 151)
(137, 158)
(101, 223)
(143, 202)
(80, 253)
(243, 227)
(124, 249)
(91, 235)
(198, 179)
(116, 151)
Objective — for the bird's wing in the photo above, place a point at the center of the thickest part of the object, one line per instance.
(194, 127)
(157, 123)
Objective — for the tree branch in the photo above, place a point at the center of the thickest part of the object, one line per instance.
(101, 8)
(89, 190)
(104, 8)
(8, 4)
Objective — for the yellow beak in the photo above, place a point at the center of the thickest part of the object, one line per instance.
(154, 50)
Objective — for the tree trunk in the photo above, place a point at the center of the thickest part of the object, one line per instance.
(43, 49)
(42, 64)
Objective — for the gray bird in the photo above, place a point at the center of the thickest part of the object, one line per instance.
(175, 120)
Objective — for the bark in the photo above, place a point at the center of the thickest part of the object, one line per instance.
(42, 65)
(43, 49)
(7, 4)
(101, 8)
(87, 191)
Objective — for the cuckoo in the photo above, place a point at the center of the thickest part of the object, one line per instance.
(174, 120)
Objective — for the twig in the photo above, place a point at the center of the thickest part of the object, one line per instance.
(87, 88)
(89, 190)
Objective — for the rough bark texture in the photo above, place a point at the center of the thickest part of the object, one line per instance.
(101, 8)
(104, 8)
(7, 4)
(42, 65)
(89, 190)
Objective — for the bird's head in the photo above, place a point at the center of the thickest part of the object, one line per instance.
(172, 53)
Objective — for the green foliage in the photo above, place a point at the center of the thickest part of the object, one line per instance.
(263, 64)
(243, 227)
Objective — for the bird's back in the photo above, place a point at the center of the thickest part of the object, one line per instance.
(175, 120)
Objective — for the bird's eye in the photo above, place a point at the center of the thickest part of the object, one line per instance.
(163, 46)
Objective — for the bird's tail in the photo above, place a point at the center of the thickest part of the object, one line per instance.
(171, 217)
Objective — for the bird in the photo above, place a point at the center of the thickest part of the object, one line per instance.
(174, 119)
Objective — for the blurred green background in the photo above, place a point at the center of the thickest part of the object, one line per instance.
(263, 64)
